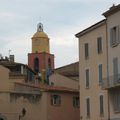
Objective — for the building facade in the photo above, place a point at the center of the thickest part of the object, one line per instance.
(18, 101)
(99, 68)
(24, 94)
(21, 99)
(92, 68)
(112, 81)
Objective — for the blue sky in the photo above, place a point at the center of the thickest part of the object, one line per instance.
(62, 19)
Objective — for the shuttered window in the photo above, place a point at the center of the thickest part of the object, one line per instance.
(114, 36)
(76, 101)
(99, 45)
(116, 96)
(87, 77)
(101, 105)
(88, 107)
(100, 73)
(86, 51)
(55, 100)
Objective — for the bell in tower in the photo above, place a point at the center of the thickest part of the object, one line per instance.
(40, 27)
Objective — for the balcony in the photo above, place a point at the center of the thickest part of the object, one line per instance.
(111, 82)
(20, 88)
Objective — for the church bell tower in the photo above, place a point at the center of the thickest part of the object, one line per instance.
(40, 60)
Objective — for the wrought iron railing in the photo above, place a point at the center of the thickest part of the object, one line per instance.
(111, 82)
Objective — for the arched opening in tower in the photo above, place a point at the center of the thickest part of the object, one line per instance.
(49, 63)
(36, 65)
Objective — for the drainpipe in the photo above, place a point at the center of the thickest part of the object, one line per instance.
(107, 71)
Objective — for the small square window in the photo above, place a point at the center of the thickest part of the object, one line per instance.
(55, 100)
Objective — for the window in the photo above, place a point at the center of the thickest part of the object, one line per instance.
(88, 107)
(99, 45)
(100, 73)
(116, 98)
(86, 51)
(101, 105)
(76, 102)
(13, 98)
(52, 83)
(55, 100)
(114, 36)
(87, 77)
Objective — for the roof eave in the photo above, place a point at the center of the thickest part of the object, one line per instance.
(98, 24)
(111, 11)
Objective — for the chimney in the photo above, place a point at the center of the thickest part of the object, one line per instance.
(6, 58)
(113, 6)
(11, 57)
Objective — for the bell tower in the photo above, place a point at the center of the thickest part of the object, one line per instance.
(40, 40)
(40, 60)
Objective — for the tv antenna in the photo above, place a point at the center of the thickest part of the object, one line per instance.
(9, 51)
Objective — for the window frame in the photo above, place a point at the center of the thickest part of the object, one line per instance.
(116, 102)
(99, 45)
(76, 101)
(87, 78)
(88, 107)
(101, 105)
(114, 36)
(100, 73)
(55, 101)
(86, 50)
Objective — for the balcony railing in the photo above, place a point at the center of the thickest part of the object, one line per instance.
(111, 82)
(24, 89)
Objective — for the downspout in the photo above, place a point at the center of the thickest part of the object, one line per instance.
(108, 97)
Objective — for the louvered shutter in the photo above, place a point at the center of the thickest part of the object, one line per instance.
(111, 37)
